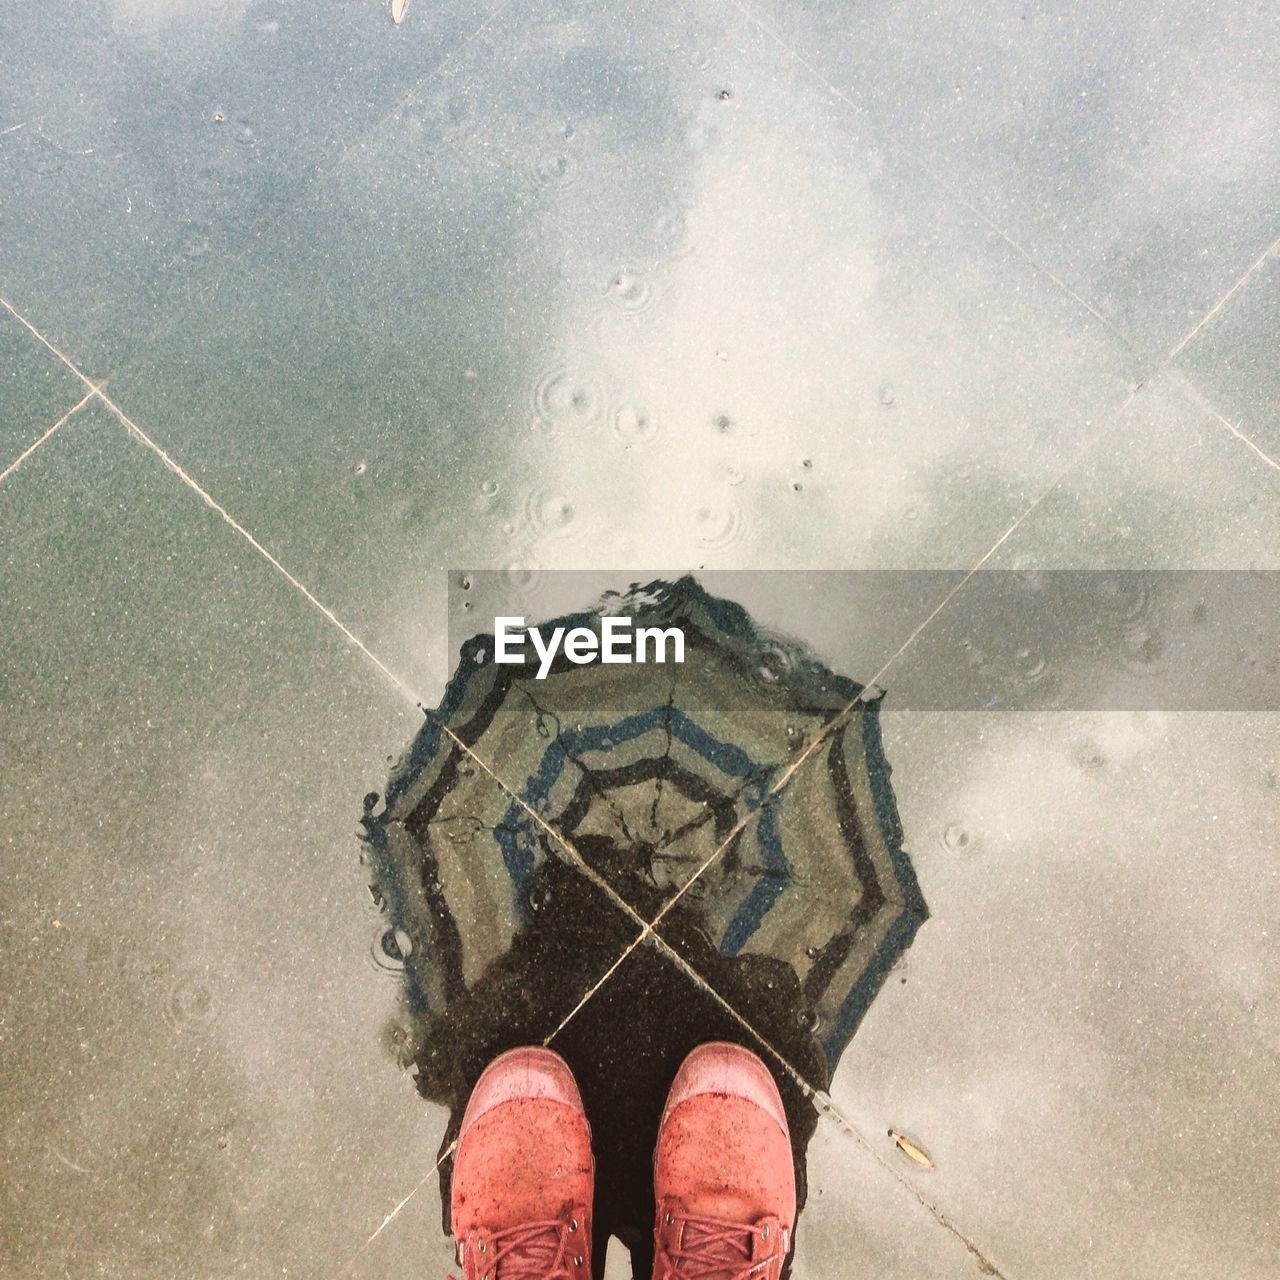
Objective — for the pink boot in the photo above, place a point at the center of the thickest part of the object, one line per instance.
(723, 1177)
(523, 1173)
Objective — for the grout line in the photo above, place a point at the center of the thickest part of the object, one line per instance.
(1197, 397)
(209, 501)
(1025, 254)
(576, 859)
(1222, 302)
(44, 342)
(31, 448)
(827, 1108)
(433, 1172)
(1234, 429)
(595, 986)
(917, 159)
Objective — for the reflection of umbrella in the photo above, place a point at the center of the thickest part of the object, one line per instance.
(650, 774)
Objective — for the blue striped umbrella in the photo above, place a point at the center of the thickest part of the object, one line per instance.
(657, 780)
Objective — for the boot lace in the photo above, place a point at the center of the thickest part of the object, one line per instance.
(712, 1249)
(531, 1251)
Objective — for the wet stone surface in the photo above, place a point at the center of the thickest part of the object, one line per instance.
(543, 285)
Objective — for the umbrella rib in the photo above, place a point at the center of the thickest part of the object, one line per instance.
(576, 762)
(576, 858)
(661, 777)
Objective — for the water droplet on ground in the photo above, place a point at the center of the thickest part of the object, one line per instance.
(557, 169)
(670, 234)
(634, 424)
(565, 403)
(189, 1004)
(629, 290)
(1030, 665)
(774, 663)
(390, 948)
(548, 512)
(719, 526)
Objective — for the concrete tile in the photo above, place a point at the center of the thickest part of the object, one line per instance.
(1133, 154)
(151, 141)
(1079, 1036)
(863, 1221)
(197, 1037)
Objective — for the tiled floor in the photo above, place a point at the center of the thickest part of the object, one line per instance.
(550, 286)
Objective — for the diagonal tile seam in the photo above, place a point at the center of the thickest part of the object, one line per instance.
(932, 174)
(36, 443)
(97, 390)
(1191, 391)
(1210, 315)
(431, 1173)
(1159, 365)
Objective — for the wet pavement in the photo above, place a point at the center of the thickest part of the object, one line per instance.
(303, 311)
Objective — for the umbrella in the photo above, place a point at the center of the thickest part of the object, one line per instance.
(742, 793)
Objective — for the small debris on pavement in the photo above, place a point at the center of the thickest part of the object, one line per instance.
(909, 1148)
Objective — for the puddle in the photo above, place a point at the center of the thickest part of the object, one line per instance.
(738, 800)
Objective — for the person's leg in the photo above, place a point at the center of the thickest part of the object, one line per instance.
(523, 1173)
(724, 1182)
